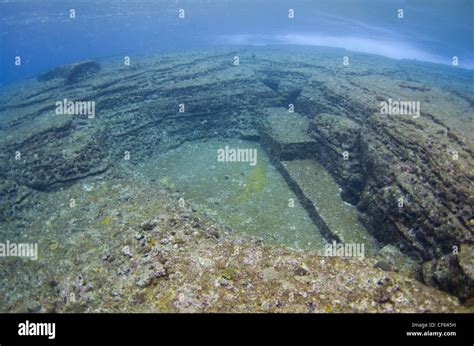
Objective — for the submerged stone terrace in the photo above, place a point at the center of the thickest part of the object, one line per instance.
(426, 162)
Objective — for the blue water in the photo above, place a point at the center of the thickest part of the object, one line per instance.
(42, 33)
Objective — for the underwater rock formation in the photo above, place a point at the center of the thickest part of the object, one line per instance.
(335, 136)
(286, 135)
(411, 177)
(453, 273)
(179, 261)
(72, 73)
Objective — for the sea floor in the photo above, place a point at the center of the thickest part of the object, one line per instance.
(248, 199)
(130, 245)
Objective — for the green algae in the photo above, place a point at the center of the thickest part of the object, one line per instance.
(228, 273)
(106, 220)
(256, 181)
(165, 299)
(53, 245)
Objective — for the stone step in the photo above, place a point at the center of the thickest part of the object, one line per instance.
(285, 134)
(319, 187)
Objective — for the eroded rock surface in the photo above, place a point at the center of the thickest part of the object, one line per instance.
(151, 253)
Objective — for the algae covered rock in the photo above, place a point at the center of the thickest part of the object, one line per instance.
(285, 135)
(392, 259)
(338, 150)
(453, 273)
(72, 73)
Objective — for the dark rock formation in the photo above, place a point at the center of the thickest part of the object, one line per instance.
(285, 135)
(453, 273)
(338, 139)
(72, 73)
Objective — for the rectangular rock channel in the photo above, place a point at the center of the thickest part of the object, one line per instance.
(284, 136)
